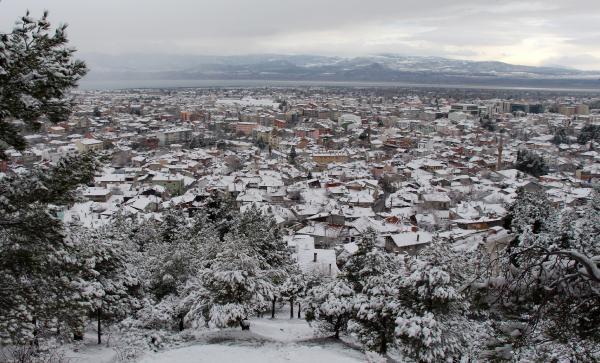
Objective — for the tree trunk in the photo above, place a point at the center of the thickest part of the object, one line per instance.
(273, 308)
(35, 342)
(383, 347)
(245, 325)
(291, 308)
(298, 310)
(78, 334)
(98, 315)
(180, 322)
(336, 328)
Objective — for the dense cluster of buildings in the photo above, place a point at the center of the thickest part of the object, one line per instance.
(327, 164)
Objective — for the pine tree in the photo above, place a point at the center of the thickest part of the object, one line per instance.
(531, 163)
(369, 272)
(412, 302)
(263, 238)
(261, 234)
(530, 210)
(292, 289)
(549, 276)
(367, 261)
(139, 234)
(173, 227)
(264, 260)
(38, 267)
(330, 305)
(228, 292)
(181, 249)
(589, 133)
(292, 155)
(221, 212)
(424, 338)
(430, 310)
(37, 70)
(560, 136)
(109, 287)
(375, 312)
(586, 236)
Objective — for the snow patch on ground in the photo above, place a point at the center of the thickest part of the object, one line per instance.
(269, 340)
(266, 353)
(90, 352)
(283, 330)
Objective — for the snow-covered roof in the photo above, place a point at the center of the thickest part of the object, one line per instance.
(406, 239)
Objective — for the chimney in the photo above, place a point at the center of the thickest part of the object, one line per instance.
(418, 237)
(315, 257)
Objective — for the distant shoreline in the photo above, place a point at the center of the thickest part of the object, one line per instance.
(200, 83)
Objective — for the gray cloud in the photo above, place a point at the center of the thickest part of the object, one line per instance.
(530, 32)
(574, 60)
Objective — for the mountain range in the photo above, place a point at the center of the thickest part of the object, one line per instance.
(376, 68)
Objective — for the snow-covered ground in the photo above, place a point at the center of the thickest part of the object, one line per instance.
(264, 353)
(91, 352)
(269, 340)
(279, 340)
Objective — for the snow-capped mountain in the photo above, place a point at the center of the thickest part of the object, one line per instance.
(375, 68)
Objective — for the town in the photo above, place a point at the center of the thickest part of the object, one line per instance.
(328, 163)
(311, 181)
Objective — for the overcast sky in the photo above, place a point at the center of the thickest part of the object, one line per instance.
(550, 32)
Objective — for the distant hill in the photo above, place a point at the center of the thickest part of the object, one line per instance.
(376, 68)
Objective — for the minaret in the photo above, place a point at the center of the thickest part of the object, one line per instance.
(500, 147)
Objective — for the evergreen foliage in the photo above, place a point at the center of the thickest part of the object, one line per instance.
(531, 163)
(37, 70)
(409, 303)
(560, 136)
(293, 288)
(292, 155)
(431, 311)
(109, 288)
(39, 268)
(548, 279)
(589, 133)
(231, 289)
(368, 261)
(488, 124)
(375, 311)
(330, 305)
